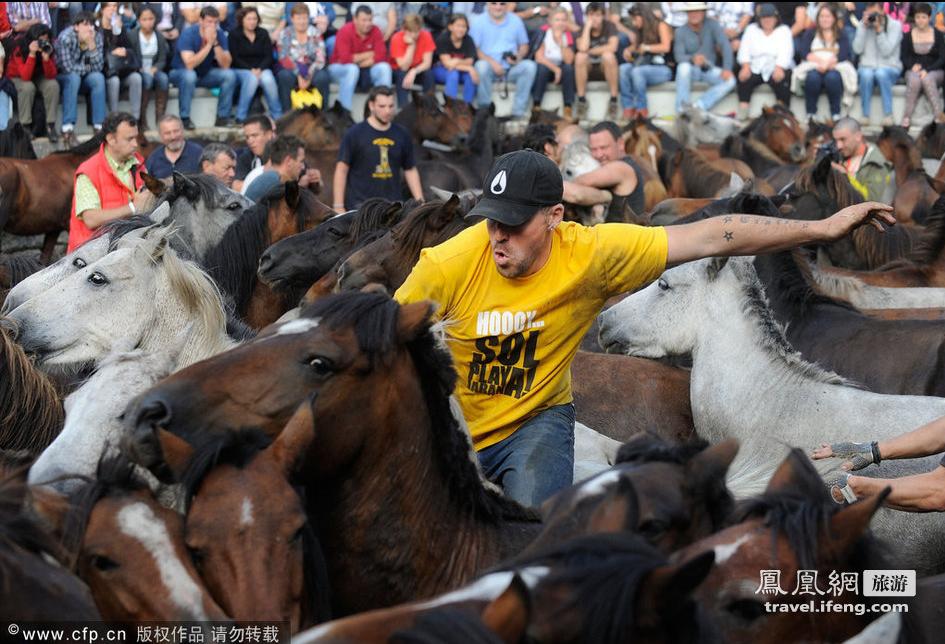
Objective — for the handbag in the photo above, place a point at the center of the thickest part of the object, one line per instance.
(305, 97)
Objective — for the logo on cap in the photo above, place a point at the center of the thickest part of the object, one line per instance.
(498, 184)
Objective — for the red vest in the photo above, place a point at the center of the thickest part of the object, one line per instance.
(111, 190)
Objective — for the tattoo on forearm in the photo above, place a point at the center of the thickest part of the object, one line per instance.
(767, 221)
(728, 236)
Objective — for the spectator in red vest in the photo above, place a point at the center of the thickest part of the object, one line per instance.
(108, 185)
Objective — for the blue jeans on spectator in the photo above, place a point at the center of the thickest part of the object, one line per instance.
(885, 77)
(158, 82)
(451, 78)
(537, 460)
(92, 85)
(544, 75)
(187, 80)
(424, 80)
(350, 77)
(521, 73)
(686, 73)
(634, 79)
(831, 82)
(288, 80)
(248, 86)
(5, 103)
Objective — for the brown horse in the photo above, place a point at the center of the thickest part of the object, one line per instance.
(390, 475)
(687, 173)
(287, 211)
(642, 140)
(793, 526)
(36, 194)
(914, 194)
(31, 413)
(321, 131)
(427, 120)
(931, 141)
(14, 269)
(129, 549)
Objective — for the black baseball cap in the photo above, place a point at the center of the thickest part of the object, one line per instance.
(519, 184)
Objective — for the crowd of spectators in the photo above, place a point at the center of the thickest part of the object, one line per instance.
(267, 57)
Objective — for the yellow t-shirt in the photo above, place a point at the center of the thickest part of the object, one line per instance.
(513, 340)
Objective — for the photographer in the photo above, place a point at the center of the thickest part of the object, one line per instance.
(862, 162)
(501, 46)
(32, 65)
(877, 41)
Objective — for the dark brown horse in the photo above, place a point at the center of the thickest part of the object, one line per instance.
(36, 194)
(390, 474)
(914, 194)
(931, 141)
(427, 120)
(321, 131)
(687, 173)
(233, 262)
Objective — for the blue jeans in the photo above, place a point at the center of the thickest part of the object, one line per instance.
(451, 79)
(831, 82)
(544, 75)
(634, 79)
(424, 80)
(288, 80)
(537, 460)
(5, 102)
(248, 86)
(686, 73)
(521, 73)
(92, 85)
(157, 82)
(349, 77)
(187, 80)
(885, 77)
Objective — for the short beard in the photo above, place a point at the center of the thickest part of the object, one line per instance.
(176, 146)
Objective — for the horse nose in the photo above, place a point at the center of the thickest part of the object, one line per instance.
(151, 412)
(265, 263)
(798, 152)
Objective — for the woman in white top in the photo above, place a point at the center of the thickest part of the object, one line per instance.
(766, 55)
(555, 58)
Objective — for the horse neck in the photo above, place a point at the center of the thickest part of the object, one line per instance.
(203, 229)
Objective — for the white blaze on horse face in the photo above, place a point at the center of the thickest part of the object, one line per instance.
(724, 551)
(246, 513)
(300, 325)
(139, 522)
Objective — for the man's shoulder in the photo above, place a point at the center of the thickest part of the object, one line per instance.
(398, 130)
(467, 244)
(192, 147)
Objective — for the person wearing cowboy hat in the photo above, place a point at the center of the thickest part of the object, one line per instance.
(518, 291)
(696, 49)
(766, 55)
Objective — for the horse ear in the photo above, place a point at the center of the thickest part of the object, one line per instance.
(716, 264)
(712, 463)
(160, 214)
(849, 524)
(292, 443)
(292, 194)
(175, 451)
(184, 186)
(822, 170)
(153, 184)
(666, 586)
(49, 506)
(413, 319)
(735, 183)
(447, 101)
(507, 615)
(157, 253)
(446, 214)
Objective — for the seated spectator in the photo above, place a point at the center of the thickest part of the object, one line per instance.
(646, 61)
(456, 59)
(360, 57)
(733, 17)
(270, 17)
(302, 58)
(383, 16)
(121, 62)
(170, 21)
(826, 55)
(203, 58)
(596, 46)
(32, 66)
(153, 52)
(555, 60)
(258, 132)
(923, 58)
(863, 163)
(218, 160)
(286, 163)
(877, 42)
(321, 15)
(697, 50)
(23, 15)
(80, 57)
(618, 173)
(192, 11)
(176, 154)
(502, 50)
(251, 49)
(411, 57)
(766, 56)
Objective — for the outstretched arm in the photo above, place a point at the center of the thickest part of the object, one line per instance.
(924, 441)
(917, 493)
(750, 234)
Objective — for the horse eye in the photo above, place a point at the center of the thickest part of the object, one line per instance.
(196, 555)
(663, 284)
(335, 232)
(652, 529)
(78, 262)
(97, 279)
(321, 366)
(297, 535)
(103, 563)
(746, 609)
(233, 206)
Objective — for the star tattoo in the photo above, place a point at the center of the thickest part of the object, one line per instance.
(728, 236)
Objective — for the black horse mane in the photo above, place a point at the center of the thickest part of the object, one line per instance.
(374, 319)
(447, 624)
(785, 282)
(408, 235)
(373, 215)
(20, 266)
(232, 262)
(648, 448)
(15, 142)
(88, 148)
(802, 512)
(118, 228)
(932, 242)
(18, 528)
(208, 189)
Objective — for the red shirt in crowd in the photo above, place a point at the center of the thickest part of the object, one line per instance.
(26, 69)
(349, 42)
(398, 47)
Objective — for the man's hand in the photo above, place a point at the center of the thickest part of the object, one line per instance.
(497, 68)
(311, 177)
(698, 60)
(121, 52)
(744, 73)
(727, 74)
(409, 79)
(777, 75)
(557, 75)
(304, 83)
(856, 456)
(851, 217)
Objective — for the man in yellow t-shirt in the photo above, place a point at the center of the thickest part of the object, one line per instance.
(520, 290)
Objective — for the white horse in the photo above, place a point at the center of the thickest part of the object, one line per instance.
(141, 295)
(858, 293)
(748, 383)
(576, 157)
(695, 126)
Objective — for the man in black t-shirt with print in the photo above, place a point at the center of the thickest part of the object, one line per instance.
(376, 156)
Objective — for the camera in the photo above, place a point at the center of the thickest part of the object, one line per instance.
(873, 19)
(510, 57)
(45, 46)
(831, 151)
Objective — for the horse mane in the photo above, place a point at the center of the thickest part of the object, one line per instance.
(932, 242)
(840, 190)
(19, 528)
(237, 447)
(649, 448)
(290, 118)
(31, 413)
(118, 228)
(773, 338)
(408, 235)
(88, 148)
(15, 142)
(208, 188)
(699, 175)
(802, 512)
(19, 267)
(232, 262)
(446, 624)
(372, 215)
(373, 317)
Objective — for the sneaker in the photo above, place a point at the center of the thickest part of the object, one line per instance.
(69, 140)
(189, 125)
(567, 113)
(51, 132)
(612, 110)
(223, 121)
(581, 109)
(888, 120)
